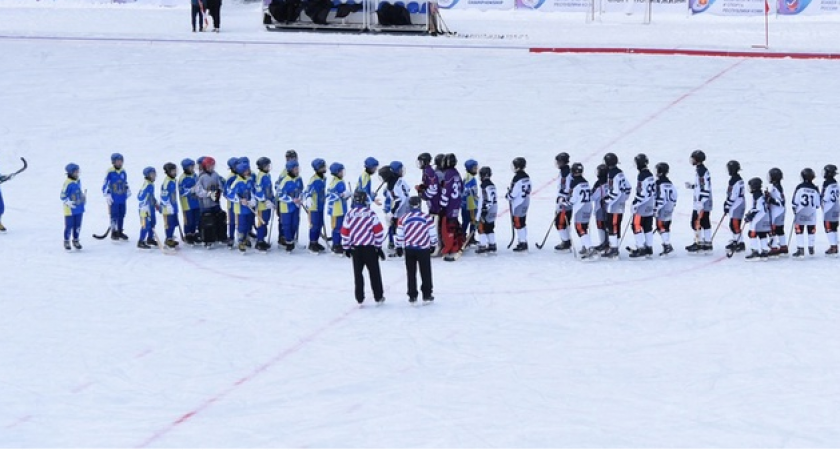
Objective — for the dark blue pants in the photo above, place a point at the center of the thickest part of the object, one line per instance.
(337, 223)
(262, 231)
(2, 205)
(170, 223)
(316, 223)
(191, 219)
(291, 221)
(231, 222)
(117, 211)
(244, 222)
(72, 224)
(147, 225)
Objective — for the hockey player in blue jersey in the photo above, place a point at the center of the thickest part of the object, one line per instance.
(264, 194)
(291, 155)
(116, 192)
(189, 201)
(242, 194)
(469, 201)
(169, 204)
(315, 201)
(291, 189)
(337, 194)
(74, 201)
(231, 214)
(148, 208)
(366, 180)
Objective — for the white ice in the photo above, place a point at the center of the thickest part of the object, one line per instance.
(114, 347)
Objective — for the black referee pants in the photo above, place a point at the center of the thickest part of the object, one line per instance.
(418, 257)
(365, 256)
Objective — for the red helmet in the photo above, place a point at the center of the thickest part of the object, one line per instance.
(208, 161)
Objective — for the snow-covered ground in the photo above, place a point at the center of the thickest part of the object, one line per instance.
(112, 346)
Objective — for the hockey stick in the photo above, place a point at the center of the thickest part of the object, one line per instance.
(718, 227)
(512, 225)
(547, 232)
(731, 251)
(624, 233)
(103, 235)
(14, 174)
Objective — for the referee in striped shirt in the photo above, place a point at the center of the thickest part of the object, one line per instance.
(361, 236)
(417, 234)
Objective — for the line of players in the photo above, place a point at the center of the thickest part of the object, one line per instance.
(465, 205)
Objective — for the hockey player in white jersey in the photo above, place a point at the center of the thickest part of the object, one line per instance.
(562, 208)
(805, 202)
(776, 198)
(735, 206)
(666, 201)
(599, 195)
(643, 206)
(700, 220)
(519, 197)
(487, 211)
(581, 209)
(618, 190)
(758, 219)
(830, 207)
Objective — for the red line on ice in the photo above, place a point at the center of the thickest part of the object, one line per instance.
(685, 52)
(21, 420)
(259, 370)
(641, 124)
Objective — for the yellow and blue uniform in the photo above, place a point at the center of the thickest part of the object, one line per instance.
(74, 207)
(147, 207)
(264, 194)
(291, 188)
(366, 184)
(277, 184)
(469, 203)
(316, 193)
(229, 196)
(116, 187)
(242, 191)
(337, 206)
(189, 202)
(169, 205)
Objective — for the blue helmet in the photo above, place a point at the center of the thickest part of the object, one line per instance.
(243, 159)
(241, 167)
(200, 161)
(317, 163)
(70, 168)
(470, 165)
(371, 162)
(187, 163)
(115, 157)
(291, 165)
(336, 167)
(148, 171)
(396, 166)
(231, 162)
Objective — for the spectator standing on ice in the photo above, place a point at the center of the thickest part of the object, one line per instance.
(214, 9)
(197, 13)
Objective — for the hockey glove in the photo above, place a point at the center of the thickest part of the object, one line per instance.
(269, 204)
(348, 252)
(215, 195)
(750, 216)
(689, 185)
(4, 178)
(109, 199)
(399, 252)
(380, 253)
(252, 203)
(432, 249)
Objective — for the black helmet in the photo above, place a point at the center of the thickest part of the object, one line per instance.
(602, 170)
(291, 154)
(562, 158)
(423, 160)
(518, 163)
(662, 168)
(829, 171)
(577, 168)
(641, 161)
(263, 162)
(169, 167)
(775, 175)
(755, 184)
(450, 161)
(439, 160)
(611, 160)
(360, 197)
(733, 167)
(808, 174)
(698, 156)
(485, 172)
(414, 202)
